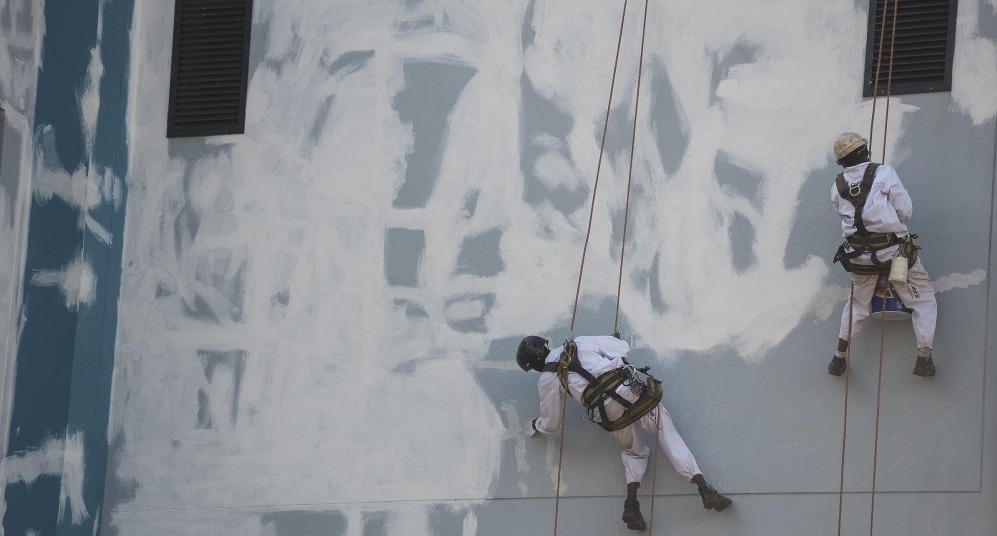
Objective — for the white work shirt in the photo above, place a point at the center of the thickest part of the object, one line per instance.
(598, 355)
(887, 208)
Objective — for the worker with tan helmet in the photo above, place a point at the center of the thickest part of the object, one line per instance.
(875, 208)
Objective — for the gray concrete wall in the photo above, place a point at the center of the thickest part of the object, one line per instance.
(318, 317)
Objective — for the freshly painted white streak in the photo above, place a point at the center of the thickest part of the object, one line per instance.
(827, 301)
(77, 281)
(517, 429)
(89, 95)
(974, 76)
(956, 281)
(55, 458)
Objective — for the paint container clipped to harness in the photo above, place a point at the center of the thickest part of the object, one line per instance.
(894, 309)
(898, 269)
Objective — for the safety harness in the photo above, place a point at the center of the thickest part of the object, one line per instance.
(602, 388)
(862, 241)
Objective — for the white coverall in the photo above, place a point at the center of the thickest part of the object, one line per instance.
(887, 209)
(599, 354)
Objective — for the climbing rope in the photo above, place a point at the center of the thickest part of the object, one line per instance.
(654, 470)
(844, 423)
(882, 334)
(879, 390)
(581, 268)
(630, 173)
(889, 74)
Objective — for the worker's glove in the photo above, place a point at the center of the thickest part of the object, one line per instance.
(532, 430)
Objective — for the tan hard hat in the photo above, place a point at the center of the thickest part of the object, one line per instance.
(846, 143)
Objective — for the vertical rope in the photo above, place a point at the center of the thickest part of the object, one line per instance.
(630, 174)
(875, 83)
(882, 334)
(889, 75)
(879, 390)
(844, 420)
(560, 457)
(581, 268)
(654, 469)
(598, 170)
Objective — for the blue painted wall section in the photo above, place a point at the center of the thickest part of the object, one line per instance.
(65, 357)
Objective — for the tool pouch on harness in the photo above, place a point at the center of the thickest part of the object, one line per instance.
(603, 388)
(908, 248)
(863, 242)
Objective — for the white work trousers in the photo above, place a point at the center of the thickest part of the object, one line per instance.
(918, 294)
(635, 452)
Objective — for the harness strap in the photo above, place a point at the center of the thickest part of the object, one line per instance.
(605, 387)
(857, 193)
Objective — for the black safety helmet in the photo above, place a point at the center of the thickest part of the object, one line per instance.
(531, 353)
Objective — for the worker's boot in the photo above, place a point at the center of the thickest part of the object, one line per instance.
(712, 499)
(924, 367)
(837, 366)
(631, 515)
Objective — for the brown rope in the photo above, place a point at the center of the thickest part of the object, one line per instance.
(630, 173)
(654, 469)
(879, 390)
(560, 457)
(581, 268)
(889, 74)
(882, 334)
(875, 83)
(598, 170)
(844, 421)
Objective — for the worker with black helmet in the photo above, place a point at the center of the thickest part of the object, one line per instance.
(875, 209)
(596, 372)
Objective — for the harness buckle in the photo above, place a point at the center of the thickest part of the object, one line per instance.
(855, 188)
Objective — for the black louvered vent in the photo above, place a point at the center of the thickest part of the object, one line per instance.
(922, 47)
(210, 67)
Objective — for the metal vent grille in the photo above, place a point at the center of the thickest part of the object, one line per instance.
(922, 48)
(210, 67)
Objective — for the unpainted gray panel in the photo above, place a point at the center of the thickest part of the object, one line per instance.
(431, 91)
(667, 120)
(741, 181)
(479, 254)
(403, 250)
(528, 34)
(300, 523)
(742, 242)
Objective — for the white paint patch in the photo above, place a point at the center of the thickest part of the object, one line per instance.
(77, 281)
(55, 458)
(73, 471)
(974, 67)
(517, 430)
(470, 527)
(956, 280)
(89, 95)
(826, 302)
(98, 230)
(51, 178)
